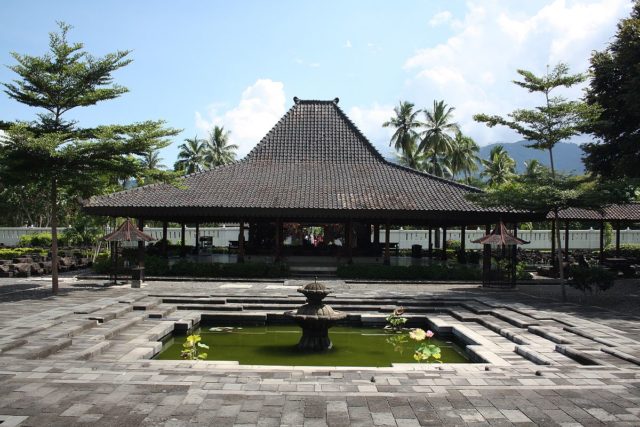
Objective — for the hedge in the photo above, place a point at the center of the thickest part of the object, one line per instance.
(11, 253)
(413, 272)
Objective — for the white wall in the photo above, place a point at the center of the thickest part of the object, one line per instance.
(540, 239)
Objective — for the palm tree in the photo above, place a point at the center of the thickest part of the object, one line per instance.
(533, 168)
(464, 156)
(191, 156)
(411, 157)
(499, 168)
(406, 124)
(441, 167)
(152, 159)
(436, 138)
(218, 151)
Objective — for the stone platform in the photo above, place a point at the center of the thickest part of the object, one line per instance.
(83, 358)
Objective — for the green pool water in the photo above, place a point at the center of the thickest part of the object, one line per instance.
(275, 345)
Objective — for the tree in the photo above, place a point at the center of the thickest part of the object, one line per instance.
(53, 148)
(437, 141)
(533, 168)
(151, 160)
(557, 119)
(411, 157)
(191, 156)
(217, 150)
(464, 155)
(500, 168)
(406, 124)
(614, 88)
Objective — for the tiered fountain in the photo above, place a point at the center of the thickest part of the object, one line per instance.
(315, 318)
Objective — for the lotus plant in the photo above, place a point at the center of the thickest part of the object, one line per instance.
(191, 346)
(395, 321)
(425, 351)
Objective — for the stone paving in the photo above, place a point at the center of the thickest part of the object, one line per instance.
(83, 358)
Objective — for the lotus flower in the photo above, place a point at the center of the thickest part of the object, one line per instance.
(418, 334)
(429, 334)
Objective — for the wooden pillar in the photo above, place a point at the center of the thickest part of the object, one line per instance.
(566, 241)
(486, 257)
(197, 238)
(348, 231)
(241, 242)
(183, 249)
(278, 238)
(165, 238)
(554, 258)
(463, 244)
(444, 243)
(376, 235)
(601, 254)
(387, 236)
(618, 239)
(134, 283)
(514, 256)
(430, 249)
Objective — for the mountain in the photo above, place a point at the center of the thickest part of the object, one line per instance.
(566, 156)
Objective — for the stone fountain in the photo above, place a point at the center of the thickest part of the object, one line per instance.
(315, 318)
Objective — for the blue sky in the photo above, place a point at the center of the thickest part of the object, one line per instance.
(240, 63)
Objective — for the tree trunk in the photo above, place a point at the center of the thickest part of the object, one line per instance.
(557, 237)
(54, 236)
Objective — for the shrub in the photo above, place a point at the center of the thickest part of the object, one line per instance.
(102, 264)
(628, 250)
(19, 252)
(454, 245)
(591, 279)
(36, 240)
(413, 272)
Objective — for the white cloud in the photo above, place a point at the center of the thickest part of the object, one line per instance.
(348, 44)
(261, 106)
(440, 18)
(369, 120)
(473, 69)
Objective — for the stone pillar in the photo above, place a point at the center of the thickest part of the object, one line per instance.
(387, 236)
(241, 242)
(138, 276)
(183, 249)
(165, 238)
(444, 243)
(486, 257)
(197, 238)
(618, 239)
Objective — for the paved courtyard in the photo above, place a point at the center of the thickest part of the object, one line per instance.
(83, 358)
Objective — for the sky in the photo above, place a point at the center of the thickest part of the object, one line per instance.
(239, 64)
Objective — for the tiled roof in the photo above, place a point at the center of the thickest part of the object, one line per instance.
(313, 158)
(627, 212)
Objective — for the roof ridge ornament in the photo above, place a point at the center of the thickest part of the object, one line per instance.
(296, 100)
(336, 100)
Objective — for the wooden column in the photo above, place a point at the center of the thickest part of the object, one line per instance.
(514, 256)
(444, 243)
(183, 249)
(430, 248)
(241, 242)
(463, 244)
(566, 241)
(140, 254)
(387, 236)
(601, 254)
(554, 257)
(164, 239)
(618, 239)
(278, 242)
(376, 236)
(486, 257)
(197, 238)
(348, 228)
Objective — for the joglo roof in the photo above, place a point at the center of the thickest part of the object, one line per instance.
(314, 163)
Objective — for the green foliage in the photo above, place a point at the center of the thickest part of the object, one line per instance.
(454, 245)
(437, 142)
(425, 351)
(414, 272)
(395, 321)
(406, 124)
(19, 252)
(591, 279)
(521, 272)
(614, 89)
(35, 240)
(218, 151)
(191, 348)
(500, 168)
(102, 264)
(627, 250)
(608, 233)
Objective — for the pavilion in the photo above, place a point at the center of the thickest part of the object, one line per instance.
(313, 167)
